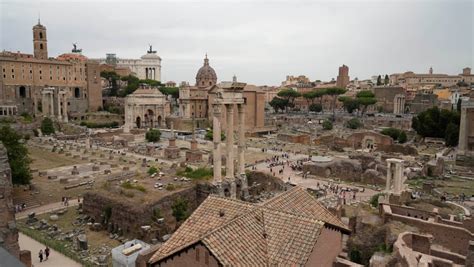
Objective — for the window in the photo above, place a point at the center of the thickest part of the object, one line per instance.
(41, 37)
(22, 92)
(77, 93)
(206, 257)
(41, 46)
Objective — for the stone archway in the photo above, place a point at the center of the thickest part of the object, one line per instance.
(138, 122)
(159, 121)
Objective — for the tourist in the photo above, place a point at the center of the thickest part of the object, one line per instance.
(40, 255)
(46, 252)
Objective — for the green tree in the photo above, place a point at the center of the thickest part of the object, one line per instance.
(452, 134)
(315, 108)
(153, 135)
(379, 80)
(320, 94)
(112, 77)
(349, 103)
(392, 132)
(386, 80)
(402, 137)
(353, 123)
(278, 103)
(173, 91)
(289, 95)
(309, 96)
(334, 92)
(180, 209)
(327, 125)
(365, 99)
(47, 126)
(17, 155)
(434, 122)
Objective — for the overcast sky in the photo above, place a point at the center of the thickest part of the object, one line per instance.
(259, 41)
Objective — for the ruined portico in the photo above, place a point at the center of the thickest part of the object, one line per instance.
(394, 176)
(54, 103)
(399, 104)
(466, 129)
(228, 96)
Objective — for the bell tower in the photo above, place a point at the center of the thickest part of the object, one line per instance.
(40, 43)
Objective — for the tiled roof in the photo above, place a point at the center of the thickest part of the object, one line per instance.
(243, 234)
(299, 201)
(206, 218)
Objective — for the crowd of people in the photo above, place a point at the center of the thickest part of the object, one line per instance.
(20, 207)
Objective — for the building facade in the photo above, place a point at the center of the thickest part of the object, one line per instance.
(410, 79)
(195, 102)
(71, 82)
(147, 66)
(146, 108)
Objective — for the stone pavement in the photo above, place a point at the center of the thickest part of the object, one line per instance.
(55, 258)
(297, 179)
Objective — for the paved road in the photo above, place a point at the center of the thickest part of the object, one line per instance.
(297, 179)
(55, 258)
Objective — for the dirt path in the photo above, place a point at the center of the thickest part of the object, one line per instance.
(46, 208)
(55, 258)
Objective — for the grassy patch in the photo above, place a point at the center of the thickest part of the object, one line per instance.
(129, 185)
(197, 174)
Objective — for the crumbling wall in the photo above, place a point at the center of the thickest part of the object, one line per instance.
(8, 230)
(346, 169)
(259, 182)
(127, 218)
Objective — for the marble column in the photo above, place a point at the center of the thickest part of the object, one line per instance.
(241, 152)
(230, 142)
(44, 104)
(66, 119)
(59, 106)
(241, 145)
(216, 125)
(51, 104)
(389, 177)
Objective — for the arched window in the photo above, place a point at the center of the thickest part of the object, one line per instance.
(41, 46)
(41, 35)
(22, 92)
(77, 92)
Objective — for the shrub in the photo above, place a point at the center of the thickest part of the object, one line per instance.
(327, 125)
(180, 209)
(315, 108)
(402, 138)
(210, 135)
(27, 117)
(170, 187)
(197, 174)
(374, 200)
(129, 185)
(353, 123)
(47, 126)
(152, 170)
(17, 155)
(392, 132)
(153, 135)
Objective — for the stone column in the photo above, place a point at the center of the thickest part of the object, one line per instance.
(241, 151)
(44, 104)
(66, 119)
(35, 105)
(216, 125)
(241, 145)
(59, 106)
(51, 104)
(389, 176)
(230, 142)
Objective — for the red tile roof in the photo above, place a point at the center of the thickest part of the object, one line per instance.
(281, 231)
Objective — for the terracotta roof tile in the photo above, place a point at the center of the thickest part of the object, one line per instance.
(281, 231)
(298, 201)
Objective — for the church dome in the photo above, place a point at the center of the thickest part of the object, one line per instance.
(206, 75)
